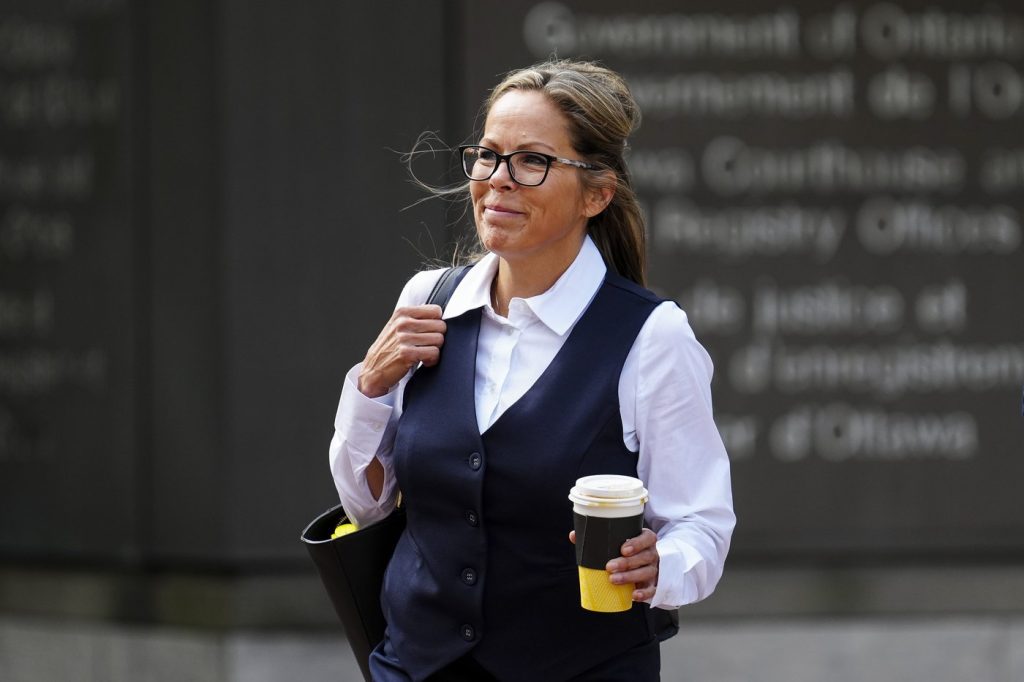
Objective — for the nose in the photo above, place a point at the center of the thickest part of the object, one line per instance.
(502, 176)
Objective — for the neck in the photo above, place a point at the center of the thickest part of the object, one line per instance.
(523, 278)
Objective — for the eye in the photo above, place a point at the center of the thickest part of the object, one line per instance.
(533, 161)
(486, 155)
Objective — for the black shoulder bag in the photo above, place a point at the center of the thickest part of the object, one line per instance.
(352, 566)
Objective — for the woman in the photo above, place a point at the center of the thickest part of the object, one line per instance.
(550, 362)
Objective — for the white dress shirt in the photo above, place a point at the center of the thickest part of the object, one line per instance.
(664, 399)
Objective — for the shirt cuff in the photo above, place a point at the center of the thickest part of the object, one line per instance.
(678, 566)
(362, 419)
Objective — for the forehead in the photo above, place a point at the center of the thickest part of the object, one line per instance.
(526, 116)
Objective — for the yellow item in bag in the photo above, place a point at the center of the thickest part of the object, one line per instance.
(343, 529)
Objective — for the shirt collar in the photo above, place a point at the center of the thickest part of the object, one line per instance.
(558, 308)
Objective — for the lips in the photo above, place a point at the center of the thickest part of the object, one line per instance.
(502, 210)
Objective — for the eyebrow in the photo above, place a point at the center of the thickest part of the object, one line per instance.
(533, 143)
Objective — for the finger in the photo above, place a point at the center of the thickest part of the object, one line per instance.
(645, 540)
(422, 339)
(431, 355)
(645, 593)
(416, 325)
(420, 312)
(642, 576)
(645, 558)
(572, 537)
(407, 355)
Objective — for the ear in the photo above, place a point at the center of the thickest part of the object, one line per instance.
(597, 197)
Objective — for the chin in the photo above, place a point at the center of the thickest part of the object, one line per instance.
(495, 246)
(494, 239)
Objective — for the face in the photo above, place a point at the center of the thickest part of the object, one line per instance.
(546, 223)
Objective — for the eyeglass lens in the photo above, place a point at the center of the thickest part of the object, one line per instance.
(526, 168)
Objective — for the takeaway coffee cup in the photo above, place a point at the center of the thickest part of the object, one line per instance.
(607, 510)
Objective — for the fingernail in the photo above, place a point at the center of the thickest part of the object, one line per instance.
(612, 566)
(616, 578)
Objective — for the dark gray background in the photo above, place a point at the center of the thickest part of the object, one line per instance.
(246, 234)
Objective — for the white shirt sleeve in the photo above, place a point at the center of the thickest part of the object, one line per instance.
(364, 428)
(665, 399)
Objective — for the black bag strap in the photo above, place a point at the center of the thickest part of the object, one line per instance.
(440, 295)
(445, 286)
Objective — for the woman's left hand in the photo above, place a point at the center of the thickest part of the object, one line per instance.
(638, 564)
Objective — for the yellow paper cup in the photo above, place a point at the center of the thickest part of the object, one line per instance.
(607, 510)
(597, 593)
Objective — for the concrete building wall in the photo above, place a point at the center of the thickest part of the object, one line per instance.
(892, 649)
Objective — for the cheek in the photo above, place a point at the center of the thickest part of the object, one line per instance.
(476, 197)
(478, 211)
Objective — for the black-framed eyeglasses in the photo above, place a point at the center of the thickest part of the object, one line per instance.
(527, 168)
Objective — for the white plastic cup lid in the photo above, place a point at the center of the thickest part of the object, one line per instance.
(606, 486)
(616, 495)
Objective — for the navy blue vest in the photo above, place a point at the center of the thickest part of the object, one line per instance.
(485, 565)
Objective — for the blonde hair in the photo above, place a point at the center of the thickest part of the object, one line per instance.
(601, 114)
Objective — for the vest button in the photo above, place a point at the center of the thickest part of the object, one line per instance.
(475, 460)
(469, 576)
(472, 518)
(467, 632)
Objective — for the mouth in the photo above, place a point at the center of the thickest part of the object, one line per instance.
(500, 210)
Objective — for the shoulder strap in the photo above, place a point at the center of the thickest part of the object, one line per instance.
(445, 286)
(440, 295)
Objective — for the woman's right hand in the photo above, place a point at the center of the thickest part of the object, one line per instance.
(414, 334)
